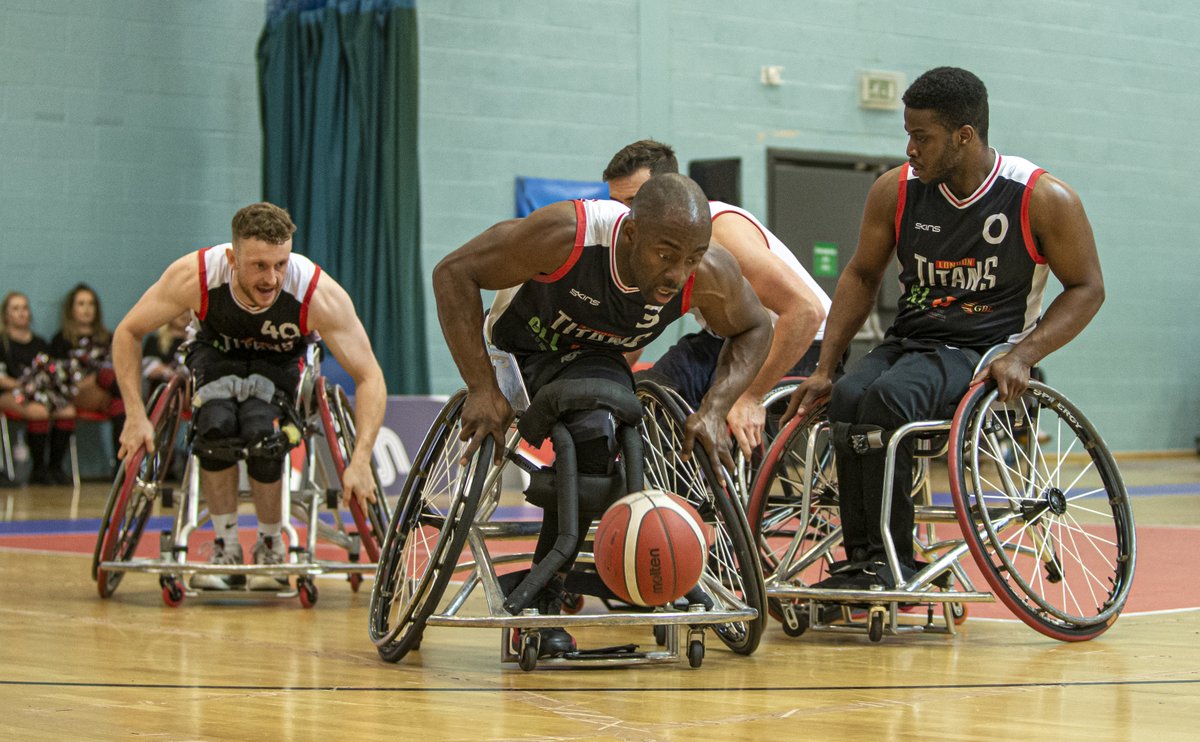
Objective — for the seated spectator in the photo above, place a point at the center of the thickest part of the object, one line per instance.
(162, 352)
(29, 392)
(83, 343)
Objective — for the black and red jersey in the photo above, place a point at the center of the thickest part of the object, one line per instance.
(584, 303)
(970, 271)
(276, 333)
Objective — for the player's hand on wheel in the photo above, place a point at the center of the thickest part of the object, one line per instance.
(712, 434)
(137, 432)
(485, 413)
(358, 482)
(811, 392)
(746, 420)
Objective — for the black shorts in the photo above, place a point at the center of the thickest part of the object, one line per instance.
(539, 369)
(690, 364)
(209, 364)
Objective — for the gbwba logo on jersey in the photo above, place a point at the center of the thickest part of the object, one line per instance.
(580, 295)
(928, 227)
(971, 307)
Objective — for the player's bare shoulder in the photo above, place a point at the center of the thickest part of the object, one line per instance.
(180, 282)
(718, 270)
(330, 305)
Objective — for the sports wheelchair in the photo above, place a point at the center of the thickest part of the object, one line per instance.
(321, 420)
(1036, 495)
(447, 505)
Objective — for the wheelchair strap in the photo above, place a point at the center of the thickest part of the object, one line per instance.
(576, 395)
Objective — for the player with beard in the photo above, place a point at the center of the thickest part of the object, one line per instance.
(258, 306)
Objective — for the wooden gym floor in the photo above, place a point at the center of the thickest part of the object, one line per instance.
(73, 666)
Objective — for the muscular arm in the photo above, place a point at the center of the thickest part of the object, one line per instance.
(332, 315)
(506, 255)
(175, 292)
(857, 288)
(734, 312)
(785, 293)
(780, 290)
(1064, 237)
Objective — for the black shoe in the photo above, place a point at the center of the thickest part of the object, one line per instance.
(58, 476)
(39, 477)
(556, 642)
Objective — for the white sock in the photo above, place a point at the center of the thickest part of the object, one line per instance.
(273, 531)
(226, 527)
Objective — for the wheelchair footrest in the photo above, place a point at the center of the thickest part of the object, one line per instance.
(877, 597)
(600, 653)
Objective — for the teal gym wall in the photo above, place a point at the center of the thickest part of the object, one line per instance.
(129, 134)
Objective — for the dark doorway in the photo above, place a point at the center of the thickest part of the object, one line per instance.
(815, 202)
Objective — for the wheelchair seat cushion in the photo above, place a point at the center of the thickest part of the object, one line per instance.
(558, 398)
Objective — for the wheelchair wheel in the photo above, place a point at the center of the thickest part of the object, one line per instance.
(426, 534)
(139, 482)
(337, 422)
(732, 560)
(1044, 510)
(794, 536)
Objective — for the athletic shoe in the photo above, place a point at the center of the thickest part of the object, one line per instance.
(221, 555)
(266, 554)
(555, 641)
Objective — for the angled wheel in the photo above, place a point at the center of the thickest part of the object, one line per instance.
(140, 480)
(426, 534)
(793, 509)
(1044, 510)
(732, 560)
(337, 423)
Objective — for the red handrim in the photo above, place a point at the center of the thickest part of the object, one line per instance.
(339, 463)
(112, 528)
(758, 491)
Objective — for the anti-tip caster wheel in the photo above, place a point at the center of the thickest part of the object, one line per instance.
(531, 643)
(307, 591)
(172, 593)
(875, 624)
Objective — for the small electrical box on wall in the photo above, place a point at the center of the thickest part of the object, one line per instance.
(879, 90)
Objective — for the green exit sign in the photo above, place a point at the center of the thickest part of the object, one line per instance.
(825, 260)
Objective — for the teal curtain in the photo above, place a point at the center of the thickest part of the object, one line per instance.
(338, 98)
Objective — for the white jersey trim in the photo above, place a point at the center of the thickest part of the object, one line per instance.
(781, 251)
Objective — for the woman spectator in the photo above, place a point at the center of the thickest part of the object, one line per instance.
(161, 352)
(30, 391)
(83, 342)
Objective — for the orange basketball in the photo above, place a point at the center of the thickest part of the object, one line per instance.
(650, 548)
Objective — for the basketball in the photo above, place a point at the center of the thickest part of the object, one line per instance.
(650, 548)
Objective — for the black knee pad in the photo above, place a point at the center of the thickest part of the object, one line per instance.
(595, 436)
(859, 439)
(264, 470)
(217, 420)
(257, 419)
